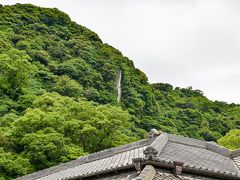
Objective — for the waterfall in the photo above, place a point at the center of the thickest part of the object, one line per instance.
(119, 78)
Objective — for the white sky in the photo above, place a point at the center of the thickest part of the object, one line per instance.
(182, 42)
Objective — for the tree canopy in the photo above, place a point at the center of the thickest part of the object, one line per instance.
(58, 96)
(231, 140)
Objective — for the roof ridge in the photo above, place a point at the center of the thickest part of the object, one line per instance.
(218, 149)
(115, 150)
(156, 147)
(148, 173)
(209, 145)
(235, 153)
(187, 141)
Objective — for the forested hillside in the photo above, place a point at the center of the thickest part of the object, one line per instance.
(58, 96)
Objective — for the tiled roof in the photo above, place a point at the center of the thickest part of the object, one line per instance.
(119, 160)
(160, 174)
(94, 163)
(165, 176)
(237, 161)
(198, 157)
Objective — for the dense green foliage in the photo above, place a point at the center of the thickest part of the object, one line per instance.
(58, 97)
(231, 140)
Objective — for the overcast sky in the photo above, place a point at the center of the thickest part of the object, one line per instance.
(182, 42)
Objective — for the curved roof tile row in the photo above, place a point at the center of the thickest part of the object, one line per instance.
(196, 156)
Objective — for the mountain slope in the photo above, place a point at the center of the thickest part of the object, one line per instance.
(58, 95)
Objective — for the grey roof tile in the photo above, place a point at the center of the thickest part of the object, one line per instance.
(237, 161)
(212, 146)
(148, 173)
(103, 160)
(187, 141)
(195, 154)
(165, 176)
(160, 142)
(197, 157)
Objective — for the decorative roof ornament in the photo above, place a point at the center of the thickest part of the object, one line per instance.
(138, 163)
(178, 166)
(153, 133)
(150, 153)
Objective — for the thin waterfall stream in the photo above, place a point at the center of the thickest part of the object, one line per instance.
(119, 78)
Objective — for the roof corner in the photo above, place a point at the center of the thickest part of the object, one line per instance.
(218, 149)
(235, 153)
